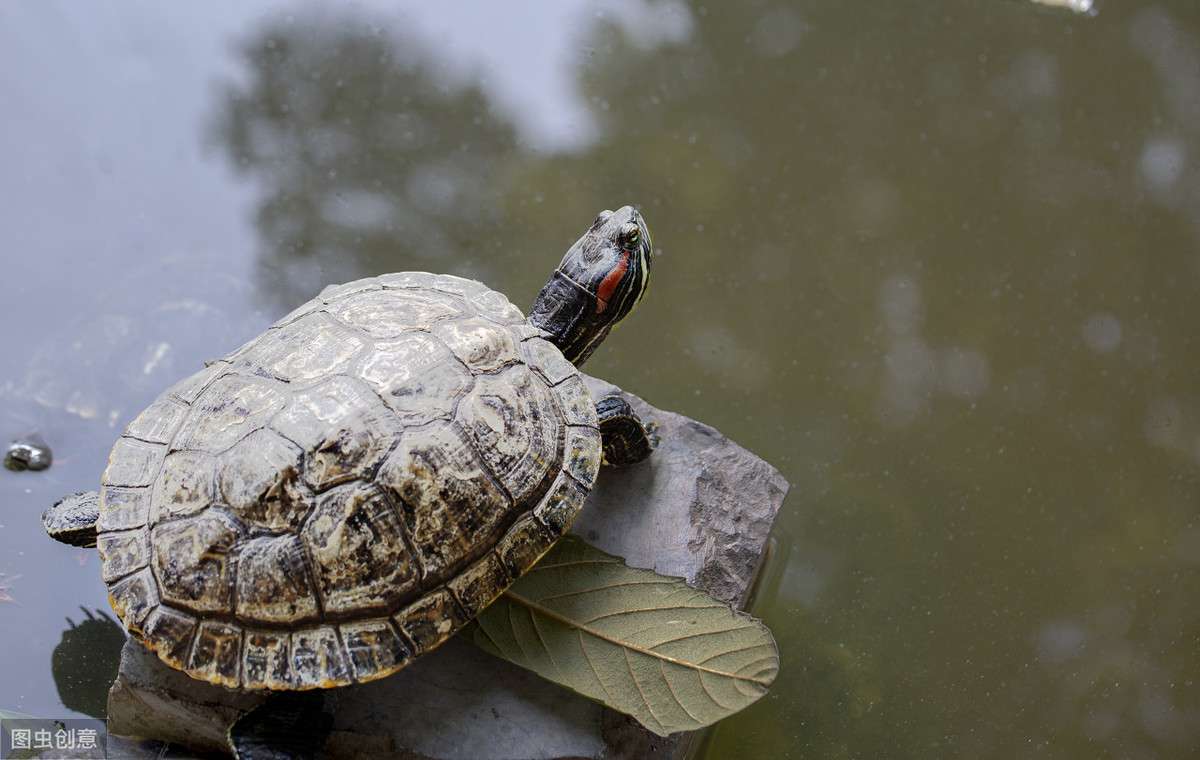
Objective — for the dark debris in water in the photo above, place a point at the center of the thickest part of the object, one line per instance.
(29, 453)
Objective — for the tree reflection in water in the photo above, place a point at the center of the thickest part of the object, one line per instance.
(367, 162)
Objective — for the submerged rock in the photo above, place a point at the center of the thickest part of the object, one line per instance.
(700, 508)
(29, 453)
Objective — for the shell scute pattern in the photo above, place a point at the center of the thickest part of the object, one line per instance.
(303, 310)
(266, 659)
(389, 314)
(259, 479)
(577, 405)
(342, 426)
(523, 545)
(170, 633)
(477, 585)
(582, 453)
(496, 307)
(229, 410)
(189, 388)
(133, 463)
(193, 561)
(560, 506)
(159, 421)
(333, 293)
(186, 484)
(417, 377)
(311, 347)
(273, 581)
(123, 508)
(133, 598)
(511, 420)
(448, 501)
(358, 547)
(427, 621)
(478, 343)
(459, 286)
(123, 553)
(407, 280)
(215, 653)
(546, 360)
(345, 491)
(375, 649)
(318, 659)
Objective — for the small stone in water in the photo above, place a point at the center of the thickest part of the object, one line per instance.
(29, 453)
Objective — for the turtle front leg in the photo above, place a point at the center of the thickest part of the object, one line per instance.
(626, 439)
(72, 519)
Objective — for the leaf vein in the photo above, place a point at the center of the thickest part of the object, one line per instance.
(646, 702)
(624, 645)
(545, 646)
(674, 695)
(480, 627)
(605, 588)
(746, 648)
(512, 626)
(698, 635)
(708, 692)
(768, 658)
(539, 567)
(588, 658)
(655, 609)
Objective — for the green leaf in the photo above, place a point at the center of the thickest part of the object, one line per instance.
(641, 643)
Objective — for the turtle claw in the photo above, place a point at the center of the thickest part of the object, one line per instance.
(652, 435)
(627, 440)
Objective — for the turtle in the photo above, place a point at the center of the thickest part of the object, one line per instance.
(344, 492)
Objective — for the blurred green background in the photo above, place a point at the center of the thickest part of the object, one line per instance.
(937, 261)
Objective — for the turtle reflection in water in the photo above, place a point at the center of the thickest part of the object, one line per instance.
(347, 490)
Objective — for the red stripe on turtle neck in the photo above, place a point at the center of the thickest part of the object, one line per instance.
(609, 284)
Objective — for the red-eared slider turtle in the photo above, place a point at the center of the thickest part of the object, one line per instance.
(348, 489)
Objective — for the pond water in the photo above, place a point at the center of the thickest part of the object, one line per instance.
(937, 261)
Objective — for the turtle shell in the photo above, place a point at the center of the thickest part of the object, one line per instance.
(345, 491)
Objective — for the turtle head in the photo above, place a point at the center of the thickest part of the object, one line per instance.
(598, 283)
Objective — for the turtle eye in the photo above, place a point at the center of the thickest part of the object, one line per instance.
(632, 236)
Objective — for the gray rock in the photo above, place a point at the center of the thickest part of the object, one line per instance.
(701, 508)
